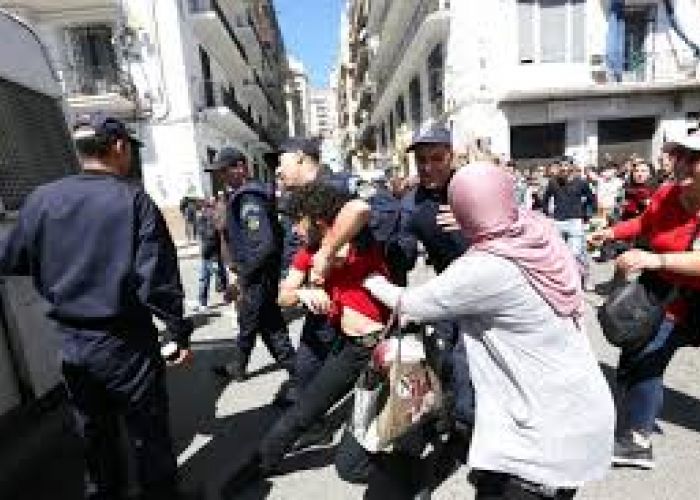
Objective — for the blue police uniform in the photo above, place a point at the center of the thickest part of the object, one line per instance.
(419, 209)
(99, 252)
(255, 242)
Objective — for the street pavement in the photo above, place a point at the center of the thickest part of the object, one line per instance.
(216, 426)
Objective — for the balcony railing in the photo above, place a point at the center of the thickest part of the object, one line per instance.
(653, 67)
(200, 6)
(214, 94)
(95, 80)
(424, 9)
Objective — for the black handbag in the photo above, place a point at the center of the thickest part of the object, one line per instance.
(633, 312)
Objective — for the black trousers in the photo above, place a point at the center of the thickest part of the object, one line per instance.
(336, 379)
(318, 336)
(112, 387)
(258, 312)
(498, 486)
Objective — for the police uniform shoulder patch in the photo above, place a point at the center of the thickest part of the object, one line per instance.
(250, 216)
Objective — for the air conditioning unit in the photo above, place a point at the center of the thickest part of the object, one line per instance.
(599, 70)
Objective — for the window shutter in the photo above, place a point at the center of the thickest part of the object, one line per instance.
(578, 31)
(553, 30)
(526, 33)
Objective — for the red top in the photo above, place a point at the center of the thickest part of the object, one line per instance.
(344, 284)
(636, 200)
(668, 228)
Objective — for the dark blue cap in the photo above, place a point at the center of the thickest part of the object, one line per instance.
(229, 157)
(432, 134)
(101, 125)
(309, 146)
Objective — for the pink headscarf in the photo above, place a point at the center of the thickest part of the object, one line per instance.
(482, 199)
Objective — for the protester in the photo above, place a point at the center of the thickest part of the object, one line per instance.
(211, 258)
(544, 414)
(638, 192)
(669, 225)
(352, 312)
(188, 208)
(99, 252)
(608, 193)
(567, 200)
(255, 241)
(664, 172)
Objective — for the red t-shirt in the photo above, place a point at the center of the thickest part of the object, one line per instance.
(669, 228)
(344, 284)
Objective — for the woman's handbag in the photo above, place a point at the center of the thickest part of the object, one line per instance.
(387, 407)
(633, 312)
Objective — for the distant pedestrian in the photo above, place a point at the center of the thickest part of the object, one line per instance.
(211, 259)
(188, 208)
(99, 252)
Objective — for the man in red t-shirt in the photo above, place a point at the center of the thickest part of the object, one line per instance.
(358, 317)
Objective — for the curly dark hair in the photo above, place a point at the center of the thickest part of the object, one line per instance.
(318, 201)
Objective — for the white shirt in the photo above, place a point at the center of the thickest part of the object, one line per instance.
(544, 411)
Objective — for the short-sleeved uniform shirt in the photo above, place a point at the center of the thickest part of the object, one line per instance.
(344, 283)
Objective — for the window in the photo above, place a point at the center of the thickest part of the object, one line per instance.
(436, 81)
(551, 31)
(544, 141)
(414, 98)
(382, 135)
(94, 59)
(392, 128)
(400, 111)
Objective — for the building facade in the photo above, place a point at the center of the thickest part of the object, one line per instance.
(396, 71)
(594, 80)
(189, 76)
(323, 114)
(297, 98)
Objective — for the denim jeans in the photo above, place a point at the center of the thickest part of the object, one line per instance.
(572, 230)
(640, 382)
(209, 267)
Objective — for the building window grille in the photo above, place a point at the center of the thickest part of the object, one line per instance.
(551, 31)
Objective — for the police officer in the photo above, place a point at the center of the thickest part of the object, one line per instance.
(99, 252)
(255, 242)
(426, 218)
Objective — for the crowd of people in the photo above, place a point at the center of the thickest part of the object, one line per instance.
(525, 403)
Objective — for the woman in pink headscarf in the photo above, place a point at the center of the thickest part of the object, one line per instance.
(544, 412)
